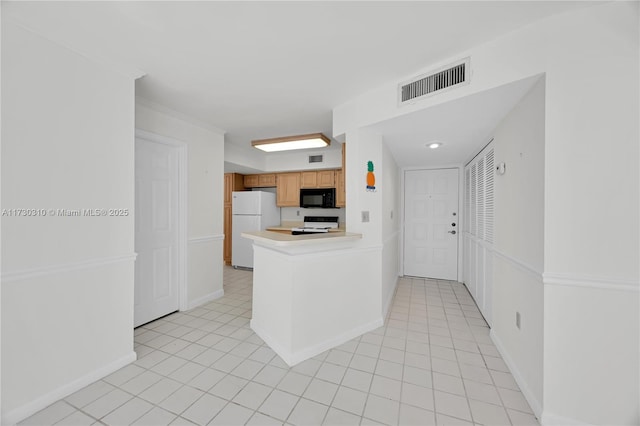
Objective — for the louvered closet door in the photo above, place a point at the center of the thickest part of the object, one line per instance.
(478, 229)
(431, 210)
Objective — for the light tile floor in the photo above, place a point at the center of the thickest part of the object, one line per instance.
(431, 363)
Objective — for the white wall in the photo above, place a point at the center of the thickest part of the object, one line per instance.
(519, 241)
(380, 233)
(244, 156)
(299, 160)
(389, 184)
(67, 282)
(282, 161)
(205, 180)
(587, 190)
(591, 184)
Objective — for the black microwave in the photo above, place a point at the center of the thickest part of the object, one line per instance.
(319, 198)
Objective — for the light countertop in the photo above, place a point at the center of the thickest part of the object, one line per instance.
(289, 228)
(280, 239)
(289, 225)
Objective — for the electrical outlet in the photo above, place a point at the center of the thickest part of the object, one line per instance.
(297, 212)
(365, 216)
(518, 320)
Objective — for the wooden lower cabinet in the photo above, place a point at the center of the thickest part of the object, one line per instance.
(288, 190)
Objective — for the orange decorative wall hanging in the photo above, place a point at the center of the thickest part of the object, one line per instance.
(371, 178)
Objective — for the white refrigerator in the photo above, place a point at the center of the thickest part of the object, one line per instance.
(252, 211)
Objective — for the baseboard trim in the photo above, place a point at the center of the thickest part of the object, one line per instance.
(387, 303)
(18, 414)
(293, 358)
(550, 419)
(536, 405)
(551, 279)
(280, 350)
(25, 274)
(205, 299)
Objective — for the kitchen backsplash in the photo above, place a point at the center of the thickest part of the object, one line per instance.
(289, 214)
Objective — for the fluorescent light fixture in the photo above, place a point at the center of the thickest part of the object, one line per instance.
(434, 145)
(313, 140)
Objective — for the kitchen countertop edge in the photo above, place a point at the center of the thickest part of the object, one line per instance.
(279, 239)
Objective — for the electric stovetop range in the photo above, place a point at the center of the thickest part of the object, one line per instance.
(316, 225)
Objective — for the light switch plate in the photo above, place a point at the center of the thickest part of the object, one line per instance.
(365, 216)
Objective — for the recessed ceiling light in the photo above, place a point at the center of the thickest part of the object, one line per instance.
(434, 145)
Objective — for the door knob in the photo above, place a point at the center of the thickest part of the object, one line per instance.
(452, 232)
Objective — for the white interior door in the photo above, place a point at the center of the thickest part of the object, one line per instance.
(431, 223)
(156, 235)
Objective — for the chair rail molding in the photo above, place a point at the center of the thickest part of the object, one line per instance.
(25, 274)
(590, 281)
(206, 239)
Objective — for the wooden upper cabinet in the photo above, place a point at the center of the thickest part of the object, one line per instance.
(288, 190)
(260, 181)
(308, 179)
(318, 179)
(267, 180)
(251, 181)
(326, 179)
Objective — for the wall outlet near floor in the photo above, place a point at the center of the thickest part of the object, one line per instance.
(518, 320)
(365, 216)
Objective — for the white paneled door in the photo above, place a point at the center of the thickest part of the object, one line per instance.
(156, 236)
(432, 224)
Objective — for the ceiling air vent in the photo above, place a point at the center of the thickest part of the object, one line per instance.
(315, 159)
(452, 75)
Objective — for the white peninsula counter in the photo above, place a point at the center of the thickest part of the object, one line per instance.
(311, 292)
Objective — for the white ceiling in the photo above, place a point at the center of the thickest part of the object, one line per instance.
(266, 69)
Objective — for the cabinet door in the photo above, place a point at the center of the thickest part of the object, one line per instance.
(267, 180)
(308, 179)
(228, 187)
(341, 195)
(251, 181)
(341, 187)
(326, 179)
(227, 235)
(288, 190)
(237, 183)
